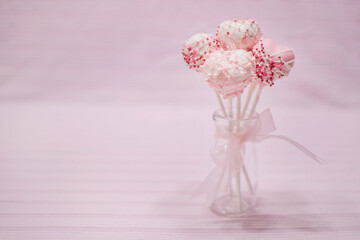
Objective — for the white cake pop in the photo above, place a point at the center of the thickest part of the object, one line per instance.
(238, 34)
(229, 72)
(197, 48)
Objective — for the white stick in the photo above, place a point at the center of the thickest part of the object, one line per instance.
(247, 179)
(252, 110)
(238, 188)
(238, 183)
(238, 110)
(248, 97)
(255, 102)
(230, 111)
(218, 184)
(238, 118)
(222, 108)
(230, 115)
(221, 104)
(229, 181)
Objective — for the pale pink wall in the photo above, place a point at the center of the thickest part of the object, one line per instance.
(129, 51)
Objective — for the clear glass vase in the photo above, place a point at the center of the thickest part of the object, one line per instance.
(234, 187)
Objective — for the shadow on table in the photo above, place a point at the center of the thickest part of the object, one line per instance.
(274, 212)
(277, 212)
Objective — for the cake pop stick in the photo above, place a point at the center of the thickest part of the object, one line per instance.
(255, 102)
(238, 177)
(223, 170)
(230, 116)
(238, 189)
(228, 186)
(250, 91)
(218, 184)
(221, 104)
(238, 111)
(247, 178)
(238, 107)
(246, 175)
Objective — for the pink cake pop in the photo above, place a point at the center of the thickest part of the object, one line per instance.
(272, 61)
(229, 72)
(197, 48)
(238, 34)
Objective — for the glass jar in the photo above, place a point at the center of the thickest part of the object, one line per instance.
(234, 189)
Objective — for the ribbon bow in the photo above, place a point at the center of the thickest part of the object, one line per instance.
(232, 154)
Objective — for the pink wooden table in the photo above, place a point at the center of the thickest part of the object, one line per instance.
(107, 172)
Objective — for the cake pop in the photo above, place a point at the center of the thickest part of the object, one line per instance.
(238, 34)
(272, 61)
(197, 48)
(229, 72)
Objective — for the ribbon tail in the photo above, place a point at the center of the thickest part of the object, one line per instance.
(297, 145)
(225, 170)
(207, 185)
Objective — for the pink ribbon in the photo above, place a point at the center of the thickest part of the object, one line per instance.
(255, 130)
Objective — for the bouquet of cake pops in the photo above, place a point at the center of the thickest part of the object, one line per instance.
(238, 61)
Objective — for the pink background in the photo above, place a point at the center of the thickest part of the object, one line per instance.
(104, 132)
